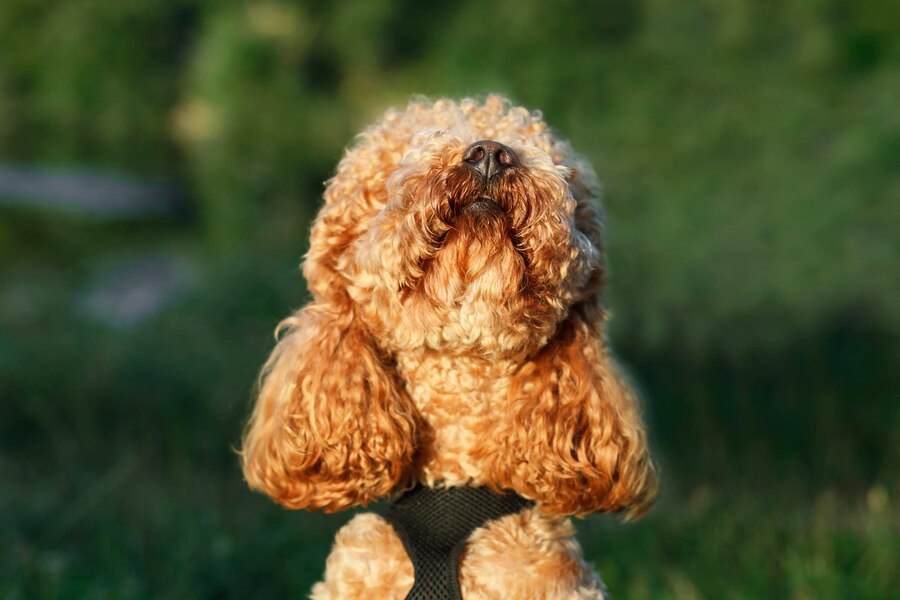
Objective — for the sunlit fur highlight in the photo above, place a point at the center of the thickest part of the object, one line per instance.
(452, 342)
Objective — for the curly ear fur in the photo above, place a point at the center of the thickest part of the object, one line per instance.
(573, 440)
(332, 426)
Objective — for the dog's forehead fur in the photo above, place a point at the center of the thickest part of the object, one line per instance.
(402, 136)
(468, 120)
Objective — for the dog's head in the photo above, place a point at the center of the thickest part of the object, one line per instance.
(464, 228)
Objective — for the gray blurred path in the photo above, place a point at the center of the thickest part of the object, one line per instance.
(87, 192)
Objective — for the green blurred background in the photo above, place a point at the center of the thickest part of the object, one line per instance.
(160, 162)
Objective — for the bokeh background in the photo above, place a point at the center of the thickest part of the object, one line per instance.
(159, 165)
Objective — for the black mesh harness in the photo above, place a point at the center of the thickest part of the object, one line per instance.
(434, 524)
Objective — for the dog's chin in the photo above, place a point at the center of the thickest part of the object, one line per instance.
(478, 250)
(483, 206)
(483, 223)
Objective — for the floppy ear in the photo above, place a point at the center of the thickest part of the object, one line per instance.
(573, 439)
(333, 426)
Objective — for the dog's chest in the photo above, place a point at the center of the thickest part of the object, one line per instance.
(460, 399)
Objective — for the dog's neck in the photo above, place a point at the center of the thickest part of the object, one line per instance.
(459, 398)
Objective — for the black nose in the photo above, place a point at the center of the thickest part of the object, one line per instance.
(489, 158)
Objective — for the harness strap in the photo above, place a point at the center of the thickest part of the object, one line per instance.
(434, 525)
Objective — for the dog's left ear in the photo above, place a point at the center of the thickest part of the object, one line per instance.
(333, 425)
(573, 439)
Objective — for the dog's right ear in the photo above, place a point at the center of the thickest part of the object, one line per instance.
(573, 438)
(332, 426)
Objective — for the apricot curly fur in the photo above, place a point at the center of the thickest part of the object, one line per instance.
(453, 346)
(573, 440)
(332, 426)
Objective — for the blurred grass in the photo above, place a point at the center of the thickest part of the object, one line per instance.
(750, 155)
(122, 482)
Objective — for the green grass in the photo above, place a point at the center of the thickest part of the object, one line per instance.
(140, 526)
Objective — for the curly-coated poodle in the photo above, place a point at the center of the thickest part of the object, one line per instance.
(455, 337)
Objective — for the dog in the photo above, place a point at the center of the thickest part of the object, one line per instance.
(455, 340)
